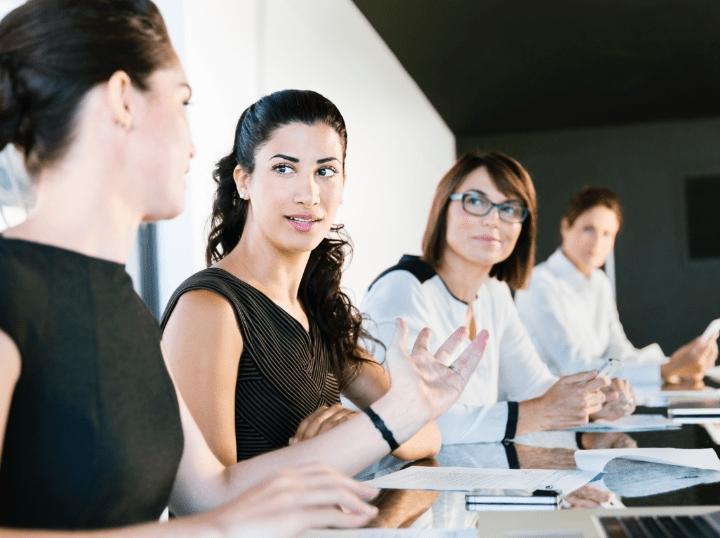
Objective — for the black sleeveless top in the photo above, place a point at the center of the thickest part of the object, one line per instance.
(284, 372)
(93, 437)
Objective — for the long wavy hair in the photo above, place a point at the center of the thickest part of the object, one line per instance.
(339, 322)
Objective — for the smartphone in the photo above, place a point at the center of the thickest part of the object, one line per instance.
(514, 496)
(610, 367)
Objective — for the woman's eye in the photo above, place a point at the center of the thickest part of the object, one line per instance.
(327, 171)
(282, 168)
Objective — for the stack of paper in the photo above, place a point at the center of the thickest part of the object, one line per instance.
(699, 458)
(468, 479)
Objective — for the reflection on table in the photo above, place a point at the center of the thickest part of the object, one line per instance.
(633, 484)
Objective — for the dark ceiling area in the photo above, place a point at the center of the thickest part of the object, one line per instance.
(495, 66)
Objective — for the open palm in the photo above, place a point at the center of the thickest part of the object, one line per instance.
(422, 378)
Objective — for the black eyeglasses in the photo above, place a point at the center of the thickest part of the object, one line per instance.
(476, 203)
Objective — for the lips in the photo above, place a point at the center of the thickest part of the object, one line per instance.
(303, 223)
(488, 238)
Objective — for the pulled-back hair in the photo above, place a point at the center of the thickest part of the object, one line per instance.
(340, 323)
(511, 179)
(589, 197)
(52, 52)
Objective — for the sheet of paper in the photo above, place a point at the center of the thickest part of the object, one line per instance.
(469, 478)
(394, 533)
(632, 423)
(699, 458)
(653, 397)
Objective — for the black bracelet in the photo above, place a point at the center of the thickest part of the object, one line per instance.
(383, 429)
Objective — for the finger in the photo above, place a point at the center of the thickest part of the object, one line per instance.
(336, 419)
(398, 345)
(314, 426)
(596, 383)
(580, 377)
(422, 341)
(300, 432)
(331, 495)
(450, 345)
(331, 517)
(322, 476)
(468, 360)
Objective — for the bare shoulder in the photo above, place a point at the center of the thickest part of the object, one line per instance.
(10, 364)
(201, 316)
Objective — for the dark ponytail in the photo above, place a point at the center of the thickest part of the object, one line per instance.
(52, 52)
(339, 322)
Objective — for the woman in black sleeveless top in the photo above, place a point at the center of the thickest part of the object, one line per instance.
(262, 343)
(92, 433)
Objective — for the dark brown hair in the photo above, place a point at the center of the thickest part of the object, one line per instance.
(52, 52)
(589, 197)
(340, 323)
(512, 180)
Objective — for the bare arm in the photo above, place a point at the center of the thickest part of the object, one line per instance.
(9, 373)
(422, 388)
(369, 386)
(202, 347)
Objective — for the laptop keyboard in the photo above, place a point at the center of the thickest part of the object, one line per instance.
(700, 526)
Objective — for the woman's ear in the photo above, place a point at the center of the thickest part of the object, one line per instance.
(119, 87)
(564, 227)
(242, 182)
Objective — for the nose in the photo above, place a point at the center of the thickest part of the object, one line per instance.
(308, 192)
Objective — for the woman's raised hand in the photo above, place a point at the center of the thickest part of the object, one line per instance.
(421, 380)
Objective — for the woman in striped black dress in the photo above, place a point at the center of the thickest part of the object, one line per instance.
(264, 342)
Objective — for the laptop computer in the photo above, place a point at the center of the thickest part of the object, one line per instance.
(652, 526)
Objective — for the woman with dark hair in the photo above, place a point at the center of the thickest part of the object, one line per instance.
(479, 241)
(93, 434)
(569, 306)
(264, 341)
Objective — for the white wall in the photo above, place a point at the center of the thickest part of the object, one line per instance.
(236, 51)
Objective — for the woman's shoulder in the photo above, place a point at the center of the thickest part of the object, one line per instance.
(400, 290)
(211, 292)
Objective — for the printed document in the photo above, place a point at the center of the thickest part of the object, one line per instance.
(469, 478)
(699, 458)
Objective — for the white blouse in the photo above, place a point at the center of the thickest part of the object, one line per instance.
(574, 324)
(412, 290)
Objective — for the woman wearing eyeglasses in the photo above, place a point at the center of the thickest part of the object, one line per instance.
(479, 242)
(570, 312)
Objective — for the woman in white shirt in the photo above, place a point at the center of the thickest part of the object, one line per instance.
(480, 239)
(569, 307)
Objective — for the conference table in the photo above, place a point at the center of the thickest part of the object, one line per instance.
(640, 493)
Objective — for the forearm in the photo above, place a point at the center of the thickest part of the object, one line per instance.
(367, 447)
(424, 444)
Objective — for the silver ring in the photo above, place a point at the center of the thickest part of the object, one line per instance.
(452, 367)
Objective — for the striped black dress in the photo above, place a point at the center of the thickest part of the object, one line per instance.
(284, 372)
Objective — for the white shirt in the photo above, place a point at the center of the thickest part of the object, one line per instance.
(414, 291)
(574, 324)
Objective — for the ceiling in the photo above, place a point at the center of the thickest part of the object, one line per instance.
(494, 66)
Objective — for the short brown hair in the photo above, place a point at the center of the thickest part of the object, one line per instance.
(589, 197)
(511, 179)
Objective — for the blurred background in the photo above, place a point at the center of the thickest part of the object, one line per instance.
(617, 93)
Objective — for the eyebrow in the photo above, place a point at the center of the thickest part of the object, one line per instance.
(296, 160)
(503, 202)
(286, 157)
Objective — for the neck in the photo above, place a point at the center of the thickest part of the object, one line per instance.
(74, 211)
(585, 269)
(462, 277)
(260, 263)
